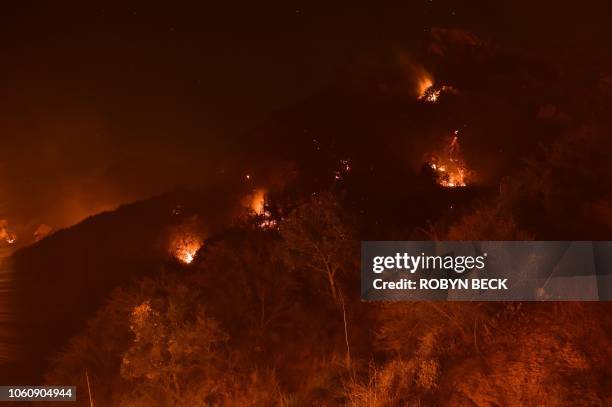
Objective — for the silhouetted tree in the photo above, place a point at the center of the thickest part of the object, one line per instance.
(318, 241)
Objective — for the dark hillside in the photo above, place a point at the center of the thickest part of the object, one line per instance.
(61, 280)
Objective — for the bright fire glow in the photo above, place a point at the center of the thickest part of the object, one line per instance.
(432, 93)
(257, 203)
(186, 248)
(256, 206)
(425, 83)
(5, 234)
(449, 167)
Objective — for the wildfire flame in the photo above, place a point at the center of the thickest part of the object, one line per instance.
(449, 167)
(257, 203)
(425, 83)
(256, 206)
(186, 248)
(427, 89)
(5, 234)
(432, 93)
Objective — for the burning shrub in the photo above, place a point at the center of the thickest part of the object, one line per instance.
(5, 234)
(432, 93)
(256, 206)
(448, 164)
(185, 240)
(186, 246)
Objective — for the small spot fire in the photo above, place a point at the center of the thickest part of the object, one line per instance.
(185, 247)
(432, 93)
(425, 83)
(257, 203)
(186, 238)
(428, 91)
(343, 169)
(256, 206)
(5, 234)
(448, 166)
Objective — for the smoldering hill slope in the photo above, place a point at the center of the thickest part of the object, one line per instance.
(504, 104)
(375, 124)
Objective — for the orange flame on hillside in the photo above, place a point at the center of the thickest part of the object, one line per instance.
(186, 237)
(255, 203)
(425, 82)
(433, 93)
(186, 247)
(5, 234)
(430, 92)
(449, 167)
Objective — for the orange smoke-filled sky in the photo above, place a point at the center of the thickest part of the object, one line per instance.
(102, 104)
